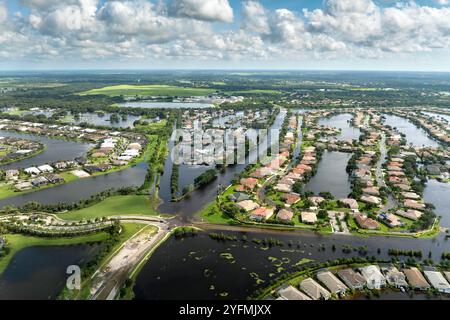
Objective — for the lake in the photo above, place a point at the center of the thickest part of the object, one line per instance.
(55, 150)
(39, 273)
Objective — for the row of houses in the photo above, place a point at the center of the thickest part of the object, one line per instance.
(371, 277)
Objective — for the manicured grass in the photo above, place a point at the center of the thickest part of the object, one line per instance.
(17, 242)
(212, 214)
(148, 90)
(113, 206)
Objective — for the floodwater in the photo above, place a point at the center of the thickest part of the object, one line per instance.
(81, 189)
(438, 193)
(331, 175)
(39, 273)
(201, 268)
(55, 150)
(95, 119)
(202, 196)
(342, 121)
(165, 105)
(437, 115)
(414, 135)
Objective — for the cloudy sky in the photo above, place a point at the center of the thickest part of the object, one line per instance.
(230, 34)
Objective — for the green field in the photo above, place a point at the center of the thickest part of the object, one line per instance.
(255, 91)
(113, 206)
(147, 90)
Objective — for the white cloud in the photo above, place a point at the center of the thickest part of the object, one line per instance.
(211, 10)
(174, 30)
(255, 17)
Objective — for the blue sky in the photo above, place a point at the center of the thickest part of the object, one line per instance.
(229, 34)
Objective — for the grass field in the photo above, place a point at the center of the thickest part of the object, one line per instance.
(255, 91)
(147, 90)
(113, 206)
(18, 242)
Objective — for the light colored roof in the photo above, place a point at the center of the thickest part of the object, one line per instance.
(291, 293)
(309, 217)
(314, 290)
(247, 205)
(437, 280)
(331, 282)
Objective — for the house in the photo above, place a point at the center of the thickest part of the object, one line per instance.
(352, 279)
(238, 196)
(438, 281)
(281, 187)
(370, 199)
(11, 174)
(394, 277)
(410, 195)
(433, 169)
(331, 282)
(249, 183)
(261, 213)
(415, 279)
(291, 293)
(80, 173)
(39, 181)
(291, 198)
(366, 223)
(32, 171)
(414, 204)
(373, 191)
(316, 200)
(314, 290)
(45, 168)
(373, 276)
(285, 215)
(391, 220)
(247, 205)
(81, 160)
(351, 203)
(54, 178)
(410, 214)
(308, 217)
(22, 186)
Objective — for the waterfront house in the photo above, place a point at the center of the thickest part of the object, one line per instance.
(352, 279)
(314, 290)
(261, 213)
(331, 282)
(290, 293)
(308, 217)
(410, 214)
(22, 186)
(373, 276)
(415, 279)
(45, 168)
(394, 277)
(351, 203)
(54, 178)
(414, 204)
(32, 171)
(366, 223)
(285, 215)
(438, 281)
(39, 181)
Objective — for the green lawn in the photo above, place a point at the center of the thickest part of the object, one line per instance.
(148, 90)
(112, 206)
(18, 242)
